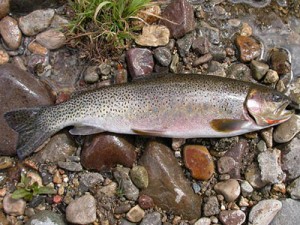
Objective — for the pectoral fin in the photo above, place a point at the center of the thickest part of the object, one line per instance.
(228, 125)
(149, 132)
(85, 130)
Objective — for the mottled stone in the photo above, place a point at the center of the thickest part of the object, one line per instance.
(70, 166)
(246, 188)
(264, 211)
(211, 207)
(168, 186)
(246, 30)
(267, 136)
(4, 8)
(59, 22)
(163, 56)
(90, 179)
(201, 45)
(150, 14)
(203, 59)
(184, 44)
(212, 33)
(279, 61)
(218, 53)
(47, 218)
(153, 218)
(10, 32)
(153, 36)
(13, 207)
(259, 69)
(226, 164)
(91, 75)
(101, 152)
(199, 161)
(140, 62)
(4, 57)
(139, 177)
(36, 48)
(230, 189)
(203, 221)
(124, 208)
(82, 210)
(289, 213)
(253, 176)
(294, 189)
(179, 18)
(36, 21)
(240, 71)
(6, 162)
(286, 131)
(51, 39)
(271, 77)
(109, 190)
(230, 217)
(248, 47)
(15, 84)
(145, 202)
(135, 214)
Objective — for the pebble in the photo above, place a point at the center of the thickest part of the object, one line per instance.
(279, 61)
(139, 177)
(153, 36)
(90, 75)
(288, 130)
(174, 63)
(135, 214)
(226, 164)
(36, 48)
(211, 207)
(294, 189)
(101, 152)
(34, 178)
(59, 22)
(271, 77)
(145, 202)
(201, 46)
(181, 13)
(218, 53)
(240, 71)
(230, 189)
(121, 174)
(199, 161)
(203, 221)
(51, 39)
(153, 218)
(4, 57)
(267, 136)
(163, 56)
(19, 62)
(140, 62)
(230, 217)
(36, 21)
(4, 8)
(184, 44)
(259, 69)
(253, 176)
(212, 33)
(82, 210)
(70, 166)
(261, 146)
(246, 188)
(10, 32)
(216, 69)
(289, 213)
(105, 69)
(6, 162)
(168, 186)
(90, 179)
(109, 190)
(264, 211)
(47, 218)
(124, 208)
(13, 207)
(246, 30)
(248, 47)
(203, 59)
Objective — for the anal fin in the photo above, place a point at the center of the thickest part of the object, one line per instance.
(85, 130)
(149, 132)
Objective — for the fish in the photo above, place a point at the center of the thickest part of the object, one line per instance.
(173, 106)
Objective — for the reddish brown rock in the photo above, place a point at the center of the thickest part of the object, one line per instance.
(145, 202)
(279, 60)
(168, 187)
(26, 91)
(198, 160)
(4, 8)
(248, 47)
(10, 32)
(179, 18)
(101, 152)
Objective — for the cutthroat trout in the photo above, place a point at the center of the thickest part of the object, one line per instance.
(177, 106)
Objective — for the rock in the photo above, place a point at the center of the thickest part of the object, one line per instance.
(230, 217)
(27, 6)
(181, 13)
(4, 57)
(149, 14)
(269, 164)
(105, 68)
(289, 213)
(70, 166)
(174, 63)
(163, 56)
(145, 202)
(131, 192)
(46, 217)
(203, 59)
(218, 53)
(246, 30)
(230, 189)
(10, 32)
(90, 75)
(248, 47)
(240, 71)
(294, 189)
(211, 207)
(124, 208)
(286, 131)
(184, 44)
(167, 185)
(201, 46)
(82, 210)
(271, 77)
(34, 178)
(126, 222)
(6, 162)
(153, 36)
(253, 176)
(19, 62)
(51, 39)
(246, 188)
(216, 69)
(212, 33)
(3, 220)
(199, 161)
(226, 164)
(259, 69)
(279, 61)
(139, 177)
(101, 152)
(109, 190)
(4, 8)
(264, 211)
(261, 146)
(90, 179)
(59, 22)
(153, 218)
(135, 214)
(13, 207)
(139, 61)
(203, 221)
(26, 91)
(36, 48)
(36, 21)
(267, 136)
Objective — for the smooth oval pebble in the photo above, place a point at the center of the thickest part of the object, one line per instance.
(51, 39)
(230, 189)
(286, 131)
(230, 217)
(10, 32)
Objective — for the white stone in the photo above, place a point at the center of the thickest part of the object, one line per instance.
(154, 35)
(13, 207)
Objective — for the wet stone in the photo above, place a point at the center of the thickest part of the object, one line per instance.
(82, 210)
(253, 176)
(168, 186)
(14, 84)
(181, 13)
(51, 39)
(240, 71)
(199, 161)
(264, 211)
(4, 8)
(201, 46)
(145, 202)
(153, 36)
(212, 33)
(153, 218)
(289, 213)
(6, 162)
(211, 207)
(294, 189)
(203, 59)
(46, 217)
(279, 61)
(90, 179)
(163, 56)
(140, 62)
(36, 21)
(229, 217)
(70, 166)
(121, 174)
(286, 131)
(225, 164)
(10, 32)
(218, 53)
(259, 69)
(139, 177)
(102, 152)
(13, 207)
(135, 214)
(271, 77)
(184, 44)
(230, 189)
(248, 47)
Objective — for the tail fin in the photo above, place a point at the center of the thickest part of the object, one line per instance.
(32, 131)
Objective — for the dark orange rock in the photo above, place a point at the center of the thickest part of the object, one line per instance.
(248, 47)
(145, 202)
(103, 151)
(199, 161)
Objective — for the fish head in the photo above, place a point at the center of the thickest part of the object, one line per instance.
(268, 107)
